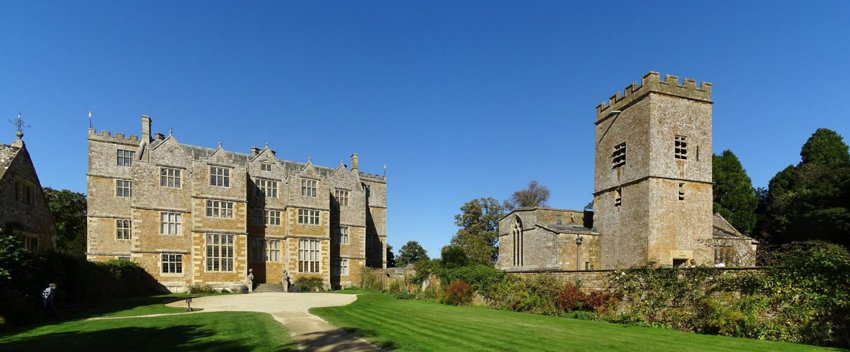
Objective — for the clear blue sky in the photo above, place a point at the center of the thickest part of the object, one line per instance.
(461, 99)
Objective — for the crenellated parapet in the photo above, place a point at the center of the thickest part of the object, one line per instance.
(651, 82)
(106, 136)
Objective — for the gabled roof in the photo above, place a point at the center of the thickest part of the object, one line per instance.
(7, 155)
(723, 229)
(578, 229)
(522, 209)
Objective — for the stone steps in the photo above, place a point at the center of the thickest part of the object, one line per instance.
(269, 288)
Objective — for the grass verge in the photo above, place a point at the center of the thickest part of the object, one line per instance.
(413, 325)
(220, 331)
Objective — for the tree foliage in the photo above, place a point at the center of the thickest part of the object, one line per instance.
(825, 147)
(811, 201)
(479, 230)
(534, 195)
(453, 257)
(390, 256)
(69, 213)
(411, 252)
(734, 196)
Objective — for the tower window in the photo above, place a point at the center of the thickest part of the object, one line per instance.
(681, 191)
(681, 147)
(618, 197)
(618, 157)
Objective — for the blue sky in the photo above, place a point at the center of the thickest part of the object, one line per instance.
(461, 99)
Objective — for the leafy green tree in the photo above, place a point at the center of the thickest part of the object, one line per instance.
(479, 230)
(453, 257)
(69, 213)
(811, 201)
(535, 195)
(825, 147)
(734, 196)
(390, 256)
(13, 257)
(410, 253)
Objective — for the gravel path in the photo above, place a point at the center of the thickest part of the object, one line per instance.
(291, 309)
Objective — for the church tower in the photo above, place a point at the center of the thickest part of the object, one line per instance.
(652, 193)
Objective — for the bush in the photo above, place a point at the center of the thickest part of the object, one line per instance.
(482, 278)
(399, 289)
(309, 284)
(570, 298)
(601, 302)
(458, 293)
(369, 280)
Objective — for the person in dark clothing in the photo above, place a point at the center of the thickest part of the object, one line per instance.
(48, 297)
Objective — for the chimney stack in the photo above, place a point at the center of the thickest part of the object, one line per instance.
(354, 162)
(146, 129)
(255, 150)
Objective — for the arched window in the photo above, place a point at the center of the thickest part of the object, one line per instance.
(517, 236)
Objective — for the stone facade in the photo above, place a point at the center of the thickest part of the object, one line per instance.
(547, 239)
(201, 216)
(23, 207)
(652, 196)
(652, 181)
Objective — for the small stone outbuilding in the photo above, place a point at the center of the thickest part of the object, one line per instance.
(23, 207)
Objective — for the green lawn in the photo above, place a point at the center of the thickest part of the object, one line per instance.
(131, 306)
(220, 331)
(413, 325)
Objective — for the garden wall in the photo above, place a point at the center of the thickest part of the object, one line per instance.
(597, 279)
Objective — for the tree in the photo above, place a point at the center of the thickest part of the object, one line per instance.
(825, 147)
(811, 201)
(411, 253)
(734, 196)
(453, 257)
(390, 256)
(534, 195)
(69, 214)
(479, 230)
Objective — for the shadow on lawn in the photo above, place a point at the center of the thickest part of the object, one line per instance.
(344, 340)
(178, 338)
(120, 304)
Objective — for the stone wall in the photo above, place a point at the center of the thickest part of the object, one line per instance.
(24, 207)
(155, 154)
(657, 205)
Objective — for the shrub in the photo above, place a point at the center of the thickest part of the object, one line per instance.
(458, 293)
(309, 284)
(482, 278)
(369, 280)
(601, 301)
(570, 298)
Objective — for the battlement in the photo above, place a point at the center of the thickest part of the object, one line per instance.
(106, 136)
(651, 82)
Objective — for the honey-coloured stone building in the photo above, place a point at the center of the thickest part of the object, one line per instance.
(203, 216)
(652, 196)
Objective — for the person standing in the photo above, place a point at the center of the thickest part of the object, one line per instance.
(48, 297)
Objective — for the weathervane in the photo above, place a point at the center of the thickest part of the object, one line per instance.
(19, 125)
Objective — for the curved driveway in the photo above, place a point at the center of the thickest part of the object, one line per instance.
(291, 309)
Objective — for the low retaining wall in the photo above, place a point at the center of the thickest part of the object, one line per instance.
(597, 279)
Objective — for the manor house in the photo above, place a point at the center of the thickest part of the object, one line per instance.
(203, 216)
(652, 197)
